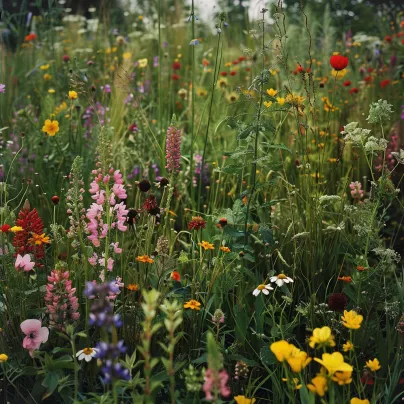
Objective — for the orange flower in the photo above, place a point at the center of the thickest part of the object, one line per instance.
(51, 127)
(193, 305)
(347, 279)
(175, 276)
(360, 268)
(145, 259)
(206, 245)
(225, 249)
(39, 239)
(133, 287)
(30, 37)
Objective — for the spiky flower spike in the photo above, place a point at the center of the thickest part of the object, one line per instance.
(31, 224)
(173, 147)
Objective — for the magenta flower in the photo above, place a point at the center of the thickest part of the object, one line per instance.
(24, 262)
(35, 334)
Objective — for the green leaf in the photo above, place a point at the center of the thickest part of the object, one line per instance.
(50, 383)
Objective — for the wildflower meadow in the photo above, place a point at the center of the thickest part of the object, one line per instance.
(202, 201)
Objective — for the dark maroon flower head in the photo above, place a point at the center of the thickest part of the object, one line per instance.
(196, 223)
(337, 301)
(55, 199)
(66, 58)
(144, 185)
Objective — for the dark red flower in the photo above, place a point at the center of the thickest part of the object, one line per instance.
(175, 77)
(224, 74)
(353, 90)
(5, 228)
(222, 222)
(66, 58)
(235, 62)
(233, 73)
(347, 83)
(388, 38)
(402, 41)
(133, 128)
(384, 83)
(338, 62)
(241, 58)
(370, 69)
(151, 206)
(368, 79)
(248, 69)
(196, 223)
(367, 378)
(30, 37)
(176, 66)
(144, 185)
(337, 301)
(55, 199)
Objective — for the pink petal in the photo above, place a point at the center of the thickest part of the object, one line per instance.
(30, 326)
(42, 335)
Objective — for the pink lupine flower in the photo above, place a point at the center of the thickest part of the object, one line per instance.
(356, 190)
(173, 149)
(215, 382)
(35, 335)
(24, 262)
(117, 250)
(110, 264)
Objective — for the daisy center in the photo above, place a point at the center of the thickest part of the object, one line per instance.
(282, 276)
(261, 287)
(88, 351)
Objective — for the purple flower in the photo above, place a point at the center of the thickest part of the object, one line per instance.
(2, 88)
(173, 152)
(155, 61)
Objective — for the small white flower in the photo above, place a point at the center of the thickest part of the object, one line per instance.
(87, 354)
(262, 288)
(280, 279)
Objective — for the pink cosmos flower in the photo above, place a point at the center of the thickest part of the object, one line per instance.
(35, 334)
(24, 262)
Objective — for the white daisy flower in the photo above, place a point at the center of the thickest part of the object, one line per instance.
(262, 288)
(87, 354)
(280, 279)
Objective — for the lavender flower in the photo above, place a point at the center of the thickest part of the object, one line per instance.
(173, 151)
(2, 88)
(112, 369)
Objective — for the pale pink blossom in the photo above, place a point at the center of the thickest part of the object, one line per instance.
(35, 334)
(24, 262)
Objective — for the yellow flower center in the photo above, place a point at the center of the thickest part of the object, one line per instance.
(261, 287)
(282, 276)
(88, 351)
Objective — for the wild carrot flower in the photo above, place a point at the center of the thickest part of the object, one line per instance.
(61, 302)
(35, 335)
(373, 365)
(351, 319)
(193, 305)
(51, 127)
(206, 245)
(173, 151)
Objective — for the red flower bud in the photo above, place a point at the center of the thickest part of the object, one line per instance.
(55, 199)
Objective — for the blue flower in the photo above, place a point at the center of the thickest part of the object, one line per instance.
(194, 42)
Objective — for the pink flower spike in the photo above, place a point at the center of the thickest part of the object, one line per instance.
(24, 262)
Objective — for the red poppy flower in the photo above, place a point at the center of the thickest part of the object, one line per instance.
(388, 38)
(5, 228)
(353, 90)
(235, 62)
(205, 62)
(175, 276)
(224, 74)
(30, 37)
(175, 77)
(347, 83)
(384, 83)
(338, 62)
(233, 73)
(176, 66)
(242, 58)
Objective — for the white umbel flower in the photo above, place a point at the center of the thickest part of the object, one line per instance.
(262, 288)
(87, 354)
(280, 279)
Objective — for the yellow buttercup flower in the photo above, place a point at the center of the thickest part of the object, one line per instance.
(206, 245)
(281, 349)
(297, 359)
(51, 91)
(44, 67)
(267, 103)
(348, 346)
(351, 319)
(318, 385)
(334, 363)
(373, 365)
(295, 100)
(342, 378)
(271, 92)
(359, 401)
(294, 383)
(16, 229)
(3, 358)
(322, 337)
(47, 76)
(244, 400)
(72, 95)
(280, 100)
(142, 63)
(51, 127)
(127, 56)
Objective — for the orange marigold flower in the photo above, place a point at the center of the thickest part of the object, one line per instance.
(145, 259)
(175, 276)
(39, 239)
(133, 287)
(192, 304)
(345, 278)
(51, 127)
(196, 223)
(225, 249)
(206, 245)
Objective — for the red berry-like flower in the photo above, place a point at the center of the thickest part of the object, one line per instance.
(384, 83)
(338, 62)
(55, 199)
(222, 222)
(196, 223)
(5, 228)
(347, 83)
(224, 74)
(353, 90)
(337, 301)
(175, 77)
(176, 66)
(233, 73)
(175, 276)
(66, 58)
(388, 38)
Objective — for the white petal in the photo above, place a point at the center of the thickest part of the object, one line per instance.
(269, 287)
(279, 282)
(273, 278)
(256, 292)
(79, 353)
(81, 357)
(88, 358)
(265, 291)
(290, 279)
